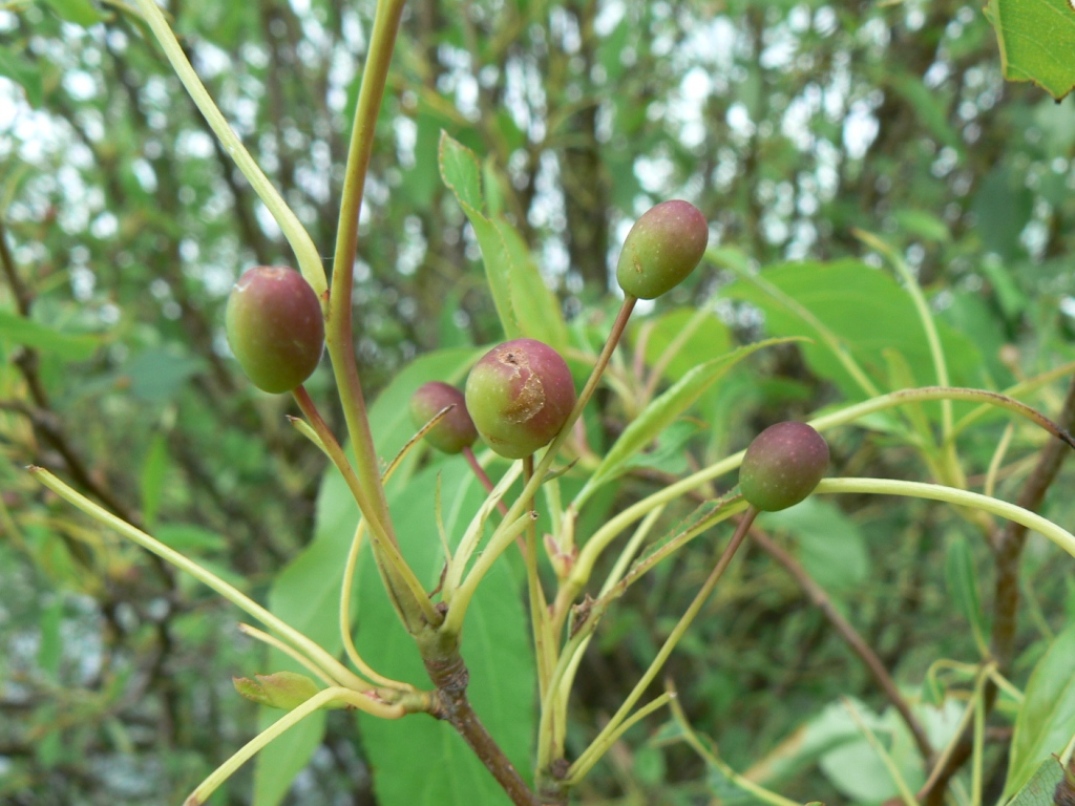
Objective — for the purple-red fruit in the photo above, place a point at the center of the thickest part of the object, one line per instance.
(782, 466)
(275, 327)
(456, 430)
(520, 395)
(662, 248)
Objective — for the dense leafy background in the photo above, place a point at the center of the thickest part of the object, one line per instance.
(789, 125)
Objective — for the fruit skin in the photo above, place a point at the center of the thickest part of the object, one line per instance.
(456, 430)
(662, 248)
(782, 466)
(275, 327)
(520, 394)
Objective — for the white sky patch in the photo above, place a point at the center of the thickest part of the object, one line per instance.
(860, 129)
(688, 108)
(738, 119)
(608, 17)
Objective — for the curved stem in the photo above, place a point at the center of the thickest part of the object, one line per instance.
(600, 744)
(320, 656)
(398, 576)
(325, 698)
(963, 498)
(305, 252)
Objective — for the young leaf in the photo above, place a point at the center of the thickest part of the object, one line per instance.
(524, 304)
(1046, 719)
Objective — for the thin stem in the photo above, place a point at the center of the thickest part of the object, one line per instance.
(605, 742)
(340, 673)
(710, 758)
(539, 609)
(326, 697)
(339, 338)
(940, 366)
(397, 574)
(305, 252)
(271, 640)
(936, 492)
(345, 616)
(597, 748)
(850, 636)
(897, 778)
(483, 477)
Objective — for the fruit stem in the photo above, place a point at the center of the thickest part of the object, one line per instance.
(544, 646)
(483, 477)
(609, 734)
(405, 591)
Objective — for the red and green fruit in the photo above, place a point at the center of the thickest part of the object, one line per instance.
(782, 466)
(519, 395)
(662, 248)
(456, 430)
(275, 327)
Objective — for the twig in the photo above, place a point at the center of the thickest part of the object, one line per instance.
(850, 636)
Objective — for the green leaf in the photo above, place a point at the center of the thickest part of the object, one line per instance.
(461, 172)
(1003, 205)
(830, 545)
(24, 73)
(866, 311)
(419, 761)
(1039, 789)
(663, 411)
(158, 374)
(536, 307)
(524, 303)
(931, 110)
(79, 12)
(1036, 39)
(27, 332)
(154, 470)
(963, 586)
(1046, 719)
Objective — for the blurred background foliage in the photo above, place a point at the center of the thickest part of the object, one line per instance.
(790, 124)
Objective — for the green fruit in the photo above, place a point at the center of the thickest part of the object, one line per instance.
(275, 327)
(520, 395)
(456, 430)
(782, 466)
(661, 249)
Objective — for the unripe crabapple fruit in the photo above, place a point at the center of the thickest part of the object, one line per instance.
(662, 248)
(520, 395)
(782, 466)
(275, 328)
(456, 430)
